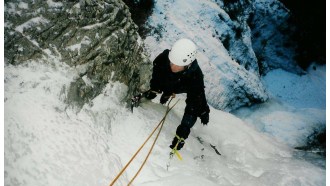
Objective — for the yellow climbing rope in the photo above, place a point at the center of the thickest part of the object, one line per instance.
(161, 123)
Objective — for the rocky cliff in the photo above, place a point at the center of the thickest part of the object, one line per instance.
(97, 37)
(238, 42)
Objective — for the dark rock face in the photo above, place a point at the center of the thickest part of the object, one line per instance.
(141, 10)
(237, 39)
(97, 37)
(309, 17)
(267, 24)
(272, 37)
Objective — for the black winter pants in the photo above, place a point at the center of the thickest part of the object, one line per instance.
(187, 122)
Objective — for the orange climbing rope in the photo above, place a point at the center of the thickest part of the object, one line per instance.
(161, 123)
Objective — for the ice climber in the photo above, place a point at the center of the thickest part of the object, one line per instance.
(176, 71)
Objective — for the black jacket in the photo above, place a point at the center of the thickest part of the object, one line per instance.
(189, 81)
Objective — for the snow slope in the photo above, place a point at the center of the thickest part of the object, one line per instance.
(47, 143)
(299, 91)
(297, 107)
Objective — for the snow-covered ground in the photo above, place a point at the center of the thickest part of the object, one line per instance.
(296, 109)
(299, 91)
(48, 143)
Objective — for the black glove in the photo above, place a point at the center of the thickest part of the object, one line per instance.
(150, 94)
(165, 98)
(204, 118)
(205, 115)
(175, 141)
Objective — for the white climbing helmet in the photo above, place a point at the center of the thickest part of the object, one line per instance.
(183, 52)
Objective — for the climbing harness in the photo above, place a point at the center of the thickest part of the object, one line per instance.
(160, 124)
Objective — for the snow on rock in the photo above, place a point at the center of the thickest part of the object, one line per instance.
(44, 143)
(296, 111)
(300, 91)
(287, 124)
(47, 143)
(99, 35)
(271, 36)
(229, 85)
(34, 22)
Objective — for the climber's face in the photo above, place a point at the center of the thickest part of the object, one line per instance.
(176, 68)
